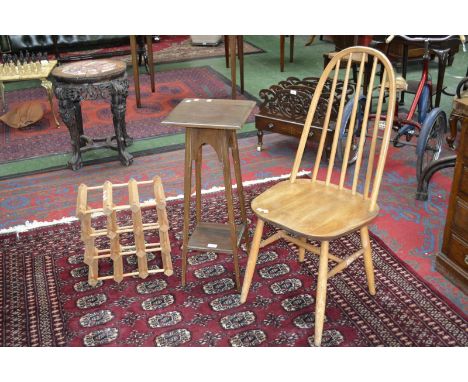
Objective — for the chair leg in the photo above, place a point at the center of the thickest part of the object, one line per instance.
(369, 267)
(321, 297)
(255, 245)
(302, 250)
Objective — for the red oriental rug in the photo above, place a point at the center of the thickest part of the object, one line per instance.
(46, 301)
(43, 138)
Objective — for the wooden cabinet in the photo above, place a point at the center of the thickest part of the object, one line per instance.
(452, 262)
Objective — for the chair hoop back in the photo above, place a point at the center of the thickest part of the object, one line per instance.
(354, 121)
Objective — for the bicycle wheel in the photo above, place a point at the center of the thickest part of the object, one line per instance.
(340, 149)
(430, 139)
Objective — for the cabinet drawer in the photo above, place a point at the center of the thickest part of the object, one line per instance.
(460, 218)
(278, 126)
(465, 146)
(457, 251)
(464, 180)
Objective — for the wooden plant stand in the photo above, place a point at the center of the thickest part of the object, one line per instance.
(213, 122)
(113, 231)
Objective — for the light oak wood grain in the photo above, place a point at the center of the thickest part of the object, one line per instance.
(113, 231)
(318, 209)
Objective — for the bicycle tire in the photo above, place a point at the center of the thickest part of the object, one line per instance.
(348, 109)
(430, 139)
(424, 104)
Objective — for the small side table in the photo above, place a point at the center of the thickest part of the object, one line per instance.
(214, 122)
(90, 80)
(30, 72)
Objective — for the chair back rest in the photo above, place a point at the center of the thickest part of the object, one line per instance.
(361, 124)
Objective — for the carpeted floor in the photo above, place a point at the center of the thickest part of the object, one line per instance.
(412, 229)
(179, 49)
(47, 301)
(43, 138)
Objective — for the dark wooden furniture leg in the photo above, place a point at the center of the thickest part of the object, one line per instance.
(282, 38)
(70, 112)
(79, 121)
(232, 50)
(149, 44)
(118, 108)
(259, 140)
(187, 192)
(226, 50)
(136, 74)
(55, 46)
(453, 123)
(282, 48)
(240, 50)
(230, 206)
(240, 187)
(291, 48)
(404, 67)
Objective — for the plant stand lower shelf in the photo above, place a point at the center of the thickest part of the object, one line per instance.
(214, 237)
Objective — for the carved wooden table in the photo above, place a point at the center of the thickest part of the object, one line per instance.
(90, 80)
(212, 122)
(41, 72)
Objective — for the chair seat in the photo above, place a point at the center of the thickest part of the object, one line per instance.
(313, 210)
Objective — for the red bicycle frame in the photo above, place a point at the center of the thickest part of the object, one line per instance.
(422, 82)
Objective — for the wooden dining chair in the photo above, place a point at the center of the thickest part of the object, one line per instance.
(320, 209)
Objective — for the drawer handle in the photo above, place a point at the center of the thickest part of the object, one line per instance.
(270, 126)
(466, 259)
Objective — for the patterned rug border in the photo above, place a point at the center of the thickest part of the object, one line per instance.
(211, 193)
(417, 276)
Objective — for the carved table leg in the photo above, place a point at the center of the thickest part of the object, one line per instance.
(453, 122)
(118, 108)
(69, 111)
(47, 85)
(2, 93)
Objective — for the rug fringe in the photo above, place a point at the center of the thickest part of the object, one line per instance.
(28, 226)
